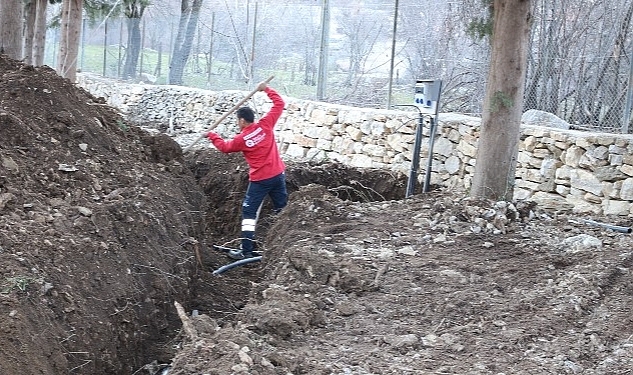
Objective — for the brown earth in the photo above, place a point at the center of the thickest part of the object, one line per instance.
(104, 226)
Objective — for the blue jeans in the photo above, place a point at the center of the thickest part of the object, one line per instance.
(275, 188)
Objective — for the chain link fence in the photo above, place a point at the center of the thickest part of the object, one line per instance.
(579, 65)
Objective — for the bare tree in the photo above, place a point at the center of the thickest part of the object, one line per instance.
(503, 105)
(610, 82)
(189, 13)
(11, 28)
(133, 10)
(310, 45)
(30, 9)
(239, 30)
(578, 65)
(70, 36)
(361, 31)
(435, 47)
(39, 33)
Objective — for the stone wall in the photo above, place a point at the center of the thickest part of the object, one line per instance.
(558, 168)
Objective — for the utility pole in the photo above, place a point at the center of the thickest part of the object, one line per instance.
(105, 46)
(325, 36)
(251, 74)
(83, 43)
(210, 62)
(393, 54)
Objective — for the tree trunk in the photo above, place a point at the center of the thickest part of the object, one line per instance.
(70, 38)
(133, 47)
(30, 8)
(159, 63)
(616, 87)
(11, 28)
(498, 142)
(63, 36)
(39, 37)
(176, 65)
(184, 40)
(74, 38)
(134, 13)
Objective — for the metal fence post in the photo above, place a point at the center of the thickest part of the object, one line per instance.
(629, 100)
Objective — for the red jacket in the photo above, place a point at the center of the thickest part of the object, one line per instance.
(257, 142)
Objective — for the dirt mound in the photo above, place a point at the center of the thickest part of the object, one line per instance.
(97, 221)
(103, 227)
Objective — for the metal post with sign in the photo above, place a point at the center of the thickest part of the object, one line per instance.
(427, 95)
(427, 98)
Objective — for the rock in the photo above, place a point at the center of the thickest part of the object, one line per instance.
(541, 118)
(10, 164)
(67, 168)
(5, 198)
(244, 357)
(580, 243)
(400, 341)
(430, 340)
(84, 211)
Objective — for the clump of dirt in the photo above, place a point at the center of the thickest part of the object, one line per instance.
(104, 227)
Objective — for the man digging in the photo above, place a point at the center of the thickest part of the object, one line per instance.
(266, 176)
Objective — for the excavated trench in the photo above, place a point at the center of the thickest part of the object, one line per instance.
(223, 179)
(103, 227)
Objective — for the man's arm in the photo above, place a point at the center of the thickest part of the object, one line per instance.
(278, 105)
(226, 147)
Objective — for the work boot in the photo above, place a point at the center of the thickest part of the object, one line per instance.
(239, 254)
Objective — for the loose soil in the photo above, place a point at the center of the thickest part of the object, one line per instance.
(106, 232)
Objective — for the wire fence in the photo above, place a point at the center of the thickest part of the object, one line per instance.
(579, 65)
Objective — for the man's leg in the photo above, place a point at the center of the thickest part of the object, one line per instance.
(251, 205)
(278, 193)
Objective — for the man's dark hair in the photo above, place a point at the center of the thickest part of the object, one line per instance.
(247, 114)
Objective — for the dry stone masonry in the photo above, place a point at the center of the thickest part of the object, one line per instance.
(584, 172)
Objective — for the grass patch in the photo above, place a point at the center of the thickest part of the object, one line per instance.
(20, 283)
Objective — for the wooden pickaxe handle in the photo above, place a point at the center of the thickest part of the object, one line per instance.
(227, 114)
